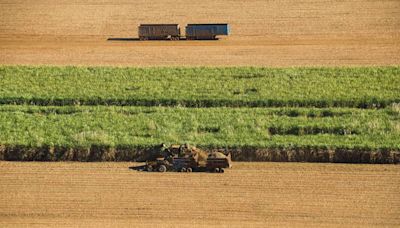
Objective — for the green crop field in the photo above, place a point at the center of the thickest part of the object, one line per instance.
(316, 109)
(210, 127)
(201, 87)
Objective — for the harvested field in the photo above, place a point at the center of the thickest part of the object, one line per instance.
(267, 33)
(250, 194)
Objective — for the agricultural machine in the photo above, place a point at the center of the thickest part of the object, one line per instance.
(183, 158)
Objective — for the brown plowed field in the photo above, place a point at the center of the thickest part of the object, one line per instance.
(250, 194)
(267, 33)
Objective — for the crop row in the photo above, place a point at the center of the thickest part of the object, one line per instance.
(366, 87)
(114, 126)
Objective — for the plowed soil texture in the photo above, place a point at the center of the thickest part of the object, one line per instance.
(267, 33)
(248, 195)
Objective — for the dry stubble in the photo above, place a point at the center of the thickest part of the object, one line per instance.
(256, 194)
(264, 33)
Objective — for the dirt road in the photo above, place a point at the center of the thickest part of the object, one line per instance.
(264, 33)
(250, 194)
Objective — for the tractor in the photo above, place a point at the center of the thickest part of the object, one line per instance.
(183, 158)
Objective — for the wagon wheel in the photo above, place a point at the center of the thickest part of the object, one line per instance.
(189, 170)
(162, 168)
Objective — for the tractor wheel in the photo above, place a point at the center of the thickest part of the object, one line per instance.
(189, 170)
(183, 169)
(162, 168)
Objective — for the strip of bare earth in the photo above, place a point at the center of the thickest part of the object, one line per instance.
(249, 195)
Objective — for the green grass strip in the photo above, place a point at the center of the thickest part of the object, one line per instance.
(113, 126)
(366, 87)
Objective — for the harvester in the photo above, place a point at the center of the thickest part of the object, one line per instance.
(183, 158)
